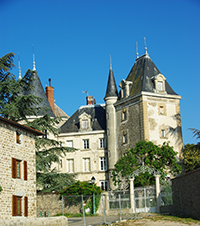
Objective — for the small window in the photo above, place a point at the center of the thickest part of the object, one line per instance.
(45, 134)
(86, 165)
(162, 110)
(86, 144)
(124, 138)
(17, 205)
(18, 139)
(104, 185)
(70, 143)
(160, 86)
(124, 114)
(163, 133)
(70, 165)
(85, 124)
(124, 92)
(16, 168)
(102, 143)
(103, 163)
(60, 163)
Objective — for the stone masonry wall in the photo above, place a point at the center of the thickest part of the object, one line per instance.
(186, 194)
(25, 151)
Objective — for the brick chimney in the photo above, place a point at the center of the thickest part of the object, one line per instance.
(50, 95)
(89, 100)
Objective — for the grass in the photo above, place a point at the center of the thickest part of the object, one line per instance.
(70, 215)
(159, 217)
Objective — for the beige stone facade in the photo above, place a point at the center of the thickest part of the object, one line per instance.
(17, 146)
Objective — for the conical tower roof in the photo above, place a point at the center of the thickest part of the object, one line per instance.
(111, 86)
(38, 91)
(142, 74)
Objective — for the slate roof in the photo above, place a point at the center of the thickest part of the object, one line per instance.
(111, 86)
(59, 112)
(141, 75)
(98, 119)
(38, 90)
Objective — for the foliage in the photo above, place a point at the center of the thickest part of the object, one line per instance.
(0, 188)
(166, 195)
(191, 157)
(14, 105)
(48, 152)
(161, 158)
(82, 188)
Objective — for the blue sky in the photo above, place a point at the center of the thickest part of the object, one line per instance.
(73, 41)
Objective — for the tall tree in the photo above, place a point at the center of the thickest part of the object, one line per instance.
(159, 157)
(16, 106)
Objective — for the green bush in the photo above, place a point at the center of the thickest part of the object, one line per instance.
(0, 188)
(74, 191)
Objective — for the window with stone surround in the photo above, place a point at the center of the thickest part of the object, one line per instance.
(104, 185)
(18, 137)
(124, 114)
(102, 143)
(16, 169)
(86, 165)
(86, 144)
(124, 137)
(69, 143)
(70, 165)
(17, 205)
(103, 163)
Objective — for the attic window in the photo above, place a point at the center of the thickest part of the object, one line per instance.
(160, 86)
(85, 124)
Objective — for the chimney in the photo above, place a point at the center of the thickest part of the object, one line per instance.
(50, 95)
(89, 100)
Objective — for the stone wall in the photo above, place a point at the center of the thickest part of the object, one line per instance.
(23, 151)
(186, 194)
(43, 221)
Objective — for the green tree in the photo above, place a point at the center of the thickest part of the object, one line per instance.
(159, 157)
(16, 106)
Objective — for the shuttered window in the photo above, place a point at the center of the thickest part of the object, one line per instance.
(26, 206)
(25, 171)
(16, 205)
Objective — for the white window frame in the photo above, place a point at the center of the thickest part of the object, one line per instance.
(105, 185)
(102, 143)
(160, 86)
(70, 165)
(85, 124)
(69, 143)
(103, 163)
(86, 165)
(163, 133)
(86, 144)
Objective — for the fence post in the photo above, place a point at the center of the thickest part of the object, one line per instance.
(83, 211)
(62, 205)
(120, 218)
(131, 180)
(104, 212)
(157, 177)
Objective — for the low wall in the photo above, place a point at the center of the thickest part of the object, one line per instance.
(42, 221)
(186, 194)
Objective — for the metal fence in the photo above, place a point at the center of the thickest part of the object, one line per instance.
(110, 207)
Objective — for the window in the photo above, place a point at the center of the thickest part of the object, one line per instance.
(104, 185)
(70, 165)
(86, 165)
(124, 138)
(16, 169)
(18, 139)
(85, 124)
(124, 114)
(162, 110)
(17, 206)
(60, 163)
(86, 144)
(45, 133)
(163, 133)
(70, 143)
(160, 86)
(124, 92)
(103, 163)
(102, 143)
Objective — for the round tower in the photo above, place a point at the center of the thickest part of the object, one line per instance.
(110, 98)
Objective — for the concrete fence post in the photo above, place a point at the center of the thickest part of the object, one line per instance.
(132, 197)
(158, 196)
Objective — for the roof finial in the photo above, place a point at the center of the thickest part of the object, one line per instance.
(137, 50)
(34, 69)
(110, 62)
(19, 68)
(145, 46)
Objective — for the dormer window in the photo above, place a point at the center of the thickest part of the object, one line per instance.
(159, 81)
(125, 88)
(85, 122)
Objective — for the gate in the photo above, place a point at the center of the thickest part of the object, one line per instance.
(145, 199)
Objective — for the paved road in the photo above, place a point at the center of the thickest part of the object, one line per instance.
(78, 221)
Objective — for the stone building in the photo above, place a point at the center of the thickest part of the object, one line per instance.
(144, 108)
(17, 170)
